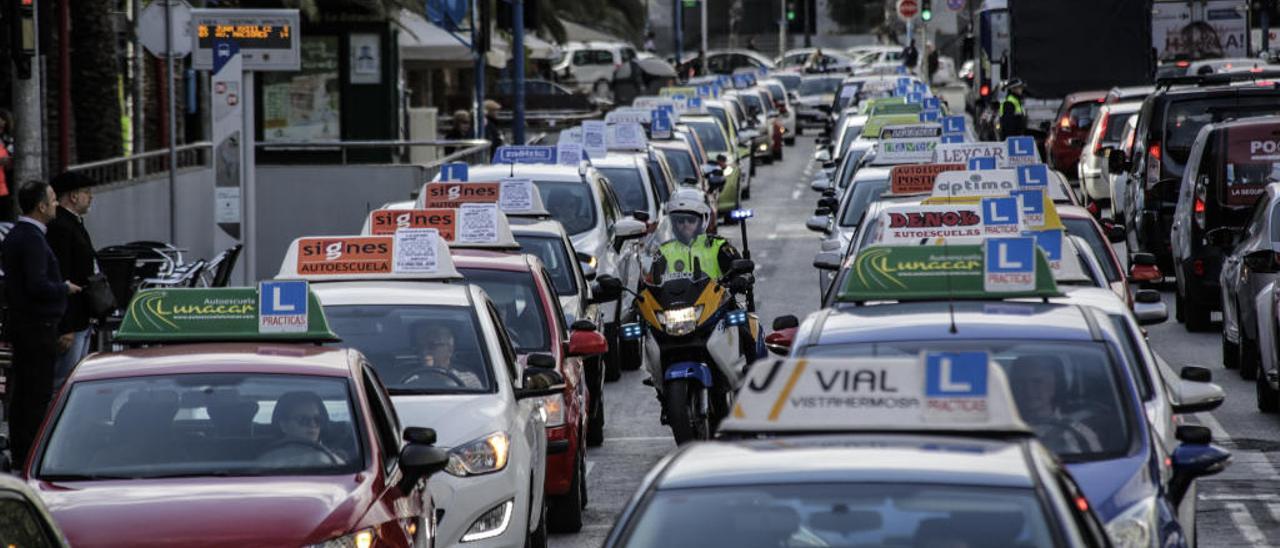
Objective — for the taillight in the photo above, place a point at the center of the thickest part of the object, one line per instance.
(1198, 208)
(1153, 165)
(985, 90)
(1256, 70)
(1102, 130)
(1065, 122)
(1154, 151)
(1183, 64)
(1197, 267)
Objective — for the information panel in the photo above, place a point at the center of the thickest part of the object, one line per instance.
(268, 38)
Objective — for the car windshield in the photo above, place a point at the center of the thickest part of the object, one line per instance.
(215, 424)
(629, 187)
(841, 514)
(776, 91)
(720, 114)
(515, 296)
(863, 194)
(1183, 119)
(681, 163)
(570, 203)
(551, 251)
(417, 349)
(712, 138)
(1067, 392)
(1085, 228)
(818, 86)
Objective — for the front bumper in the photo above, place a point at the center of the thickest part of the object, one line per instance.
(463, 500)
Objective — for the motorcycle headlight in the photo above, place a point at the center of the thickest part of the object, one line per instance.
(485, 455)
(490, 524)
(1136, 527)
(359, 539)
(554, 408)
(680, 321)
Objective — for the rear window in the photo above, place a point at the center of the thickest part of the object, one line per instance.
(1116, 126)
(1082, 114)
(1252, 160)
(711, 136)
(570, 203)
(1183, 119)
(776, 91)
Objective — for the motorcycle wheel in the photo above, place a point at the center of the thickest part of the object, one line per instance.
(682, 412)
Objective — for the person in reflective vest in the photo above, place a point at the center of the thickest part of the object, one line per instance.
(1013, 118)
(690, 252)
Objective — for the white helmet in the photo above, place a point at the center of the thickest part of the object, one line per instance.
(691, 202)
(682, 209)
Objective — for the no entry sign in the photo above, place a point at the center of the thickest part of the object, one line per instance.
(908, 9)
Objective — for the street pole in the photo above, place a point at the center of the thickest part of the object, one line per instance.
(138, 94)
(517, 36)
(1265, 22)
(808, 23)
(477, 119)
(249, 182)
(173, 120)
(677, 16)
(29, 113)
(782, 27)
(703, 51)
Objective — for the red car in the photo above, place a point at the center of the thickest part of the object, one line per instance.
(262, 439)
(525, 296)
(1071, 128)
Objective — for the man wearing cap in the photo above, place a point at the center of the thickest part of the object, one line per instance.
(37, 297)
(1013, 119)
(73, 247)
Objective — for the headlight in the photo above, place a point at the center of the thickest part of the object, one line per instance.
(1135, 527)
(359, 539)
(554, 408)
(764, 146)
(680, 321)
(491, 523)
(482, 456)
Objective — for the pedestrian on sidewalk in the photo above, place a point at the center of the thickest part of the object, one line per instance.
(910, 56)
(491, 130)
(37, 296)
(73, 247)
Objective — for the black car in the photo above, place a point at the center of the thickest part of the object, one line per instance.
(1170, 119)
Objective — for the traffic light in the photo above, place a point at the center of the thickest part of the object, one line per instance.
(791, 11)
(926, 10)
(22, 29)
(795, 19)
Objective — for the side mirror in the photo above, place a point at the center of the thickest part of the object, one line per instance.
(829, 202)
(584, 342)
(418, 461)
(1221, 237)
(1115, 161)
(1045, 126)
(419, 434)
(1142, 268)
(1194, 458)
(819, 223)
(642, 216)
(822, 156)
(742, 266)
(1262, 262)
(827, 260)
(1149, 308)
(607, 288)
(1195, 373)
(626, 229)
(540, 382)
(784, 333)
(541, 361)
(1115, 232)
(1194, 392)
(820, 183)
(822, 211)
(690, 181)
(822, 141)
(786, 321)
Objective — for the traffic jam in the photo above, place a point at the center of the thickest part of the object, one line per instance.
(975, 349)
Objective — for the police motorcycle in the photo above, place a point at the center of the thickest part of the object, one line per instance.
(698, 338)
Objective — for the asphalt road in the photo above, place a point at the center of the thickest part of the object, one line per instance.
(1239, 507)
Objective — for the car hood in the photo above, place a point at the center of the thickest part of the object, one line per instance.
(457, 419)
(252, 511)
(814, 100)
(1112, 486)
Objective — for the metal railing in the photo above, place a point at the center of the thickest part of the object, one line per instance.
(152, 162)
(199, 155)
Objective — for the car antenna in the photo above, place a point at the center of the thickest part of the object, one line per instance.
(513, 170)
(951, 305)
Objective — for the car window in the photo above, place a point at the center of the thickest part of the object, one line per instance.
(753, 104)
(516, 297)
(661, 177)
(1183, 119)
(818, 86)
(20, 526)
(1241, 174)
(1134, 356)
(1115, 127)
(720, 114)
(862, 195)
(681, 162)
(1069, 392)
(386, 432)
(628, 54)
(841, 514)
(602, 57)
(205, 424)
(417, 348)
(551, 251)
(719, 64)
(509, 358)
(558, 312)
(569, 202)
(712, 138)
(1082, 115)
(1085, 228)
(777, 92)
(628, 185)
(609, 205)
(1275, 223)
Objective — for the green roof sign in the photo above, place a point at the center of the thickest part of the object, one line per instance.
(284, 311)
(923, 273)
(890, 109)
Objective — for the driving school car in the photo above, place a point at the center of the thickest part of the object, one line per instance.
(1067, 365)
(443, 351)
(901, 451)
(233, 427)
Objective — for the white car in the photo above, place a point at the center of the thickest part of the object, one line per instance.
(594, 65)
(778, 91)
(638, 190)
(584, 203)
(1107, 130)
(481, 404)
(1118, 182)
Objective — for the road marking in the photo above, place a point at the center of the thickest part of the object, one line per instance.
(795, 194)
(1257, 461)
(590, 464)
(1245, 524)
(1274, 509)
(1241, 497)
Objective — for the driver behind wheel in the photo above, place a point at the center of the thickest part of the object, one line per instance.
(437, 348)
(1038, 388)
(301, 417)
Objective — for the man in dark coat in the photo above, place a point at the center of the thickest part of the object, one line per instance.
(74, 249)
(37, 296)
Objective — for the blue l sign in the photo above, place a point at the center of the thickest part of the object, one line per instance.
(932, 103)
(955, 374)
(1020, 147)
(982, 162)
(1033, 175)
(1032, 201)
(953, 124)
(998, 212)
(952, 138)
(1050, 241)
(453, 171)
(914, 97)
(282, 306)
(1010, 255)
(930, 116)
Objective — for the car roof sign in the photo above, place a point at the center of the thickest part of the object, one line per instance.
(524, 154)
(937, 392)
(916, 179)
(470, 226)
(903, 151)
(874, 123)
(410, 254)
(515, 196)
(911, 131)
(930, 273)
(275, 312)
